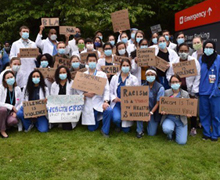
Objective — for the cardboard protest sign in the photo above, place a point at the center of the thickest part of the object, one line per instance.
(47, 72)
(29, 52)
(59, 61)
(120, 20)
(83, 56)
(114, 50)
(89, 83)
(118, 59)
(73, 73)
(146, 57)
(185, 68)
(50, 21)
(65, 108)
(178, 106)
(156, 28)
(161, 64)
(135, 103)
(67, 30)
(33, 109)
(111, 70)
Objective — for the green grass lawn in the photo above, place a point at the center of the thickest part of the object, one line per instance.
(80, 154)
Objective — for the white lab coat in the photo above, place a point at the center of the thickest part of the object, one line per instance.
(3, 96)
(101, 62)
(131, 81)
(27, 64)
(130, 48)
(136, 70)
(72, 48)
(172, 46)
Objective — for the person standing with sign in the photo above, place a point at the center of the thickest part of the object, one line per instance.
(171, 123)
(35, 90)
(209, 91)
(124, 78)
(10, 102)
(170, 45)
(197, 46)
(27, 64)
(156, 91)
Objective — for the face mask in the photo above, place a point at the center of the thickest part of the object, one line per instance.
(150, 79)
(132, 35)
(144, 46)
(7, 49)
(208, 51)
(180, 41)
(15, 68)
(53, 37)
(124, 40)
(92, 65)
(77, 35)
(63, 76)
(61, 51)
(75, 65)
(167, 37)
(162, 45)
(36, 80)
(197, 46)
(100, 37)
(25, 35)
(97, 44)
(138, 39)
(90, 46)
(10, 81)
(108, 52)
(44, 64)
(175, 86)
(81, 46)
(112, 43)
(154, 40)
(183, 55)
(121, 52)
(125, 69)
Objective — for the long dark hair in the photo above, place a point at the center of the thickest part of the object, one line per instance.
(57, 72)
(3, 79)
(29, 88)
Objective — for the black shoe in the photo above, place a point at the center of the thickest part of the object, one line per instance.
(105, 135)
(205, 138)
(214, 139)
(4, 136)
(139, 135)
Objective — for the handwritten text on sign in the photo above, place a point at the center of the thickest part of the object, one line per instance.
(185, 68)
(146, 57)
(47, 72)
(65, 108)
(59, 61)
(50, 21)
(135, 103)
(67, 30)
(34, 109)
(73, 73)
(161, 64)
(29, 52)
(178, 106)
(111, 70)
(89, 83)
(118, 59)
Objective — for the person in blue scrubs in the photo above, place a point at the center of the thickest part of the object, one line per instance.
(209, 91)
(156, 90)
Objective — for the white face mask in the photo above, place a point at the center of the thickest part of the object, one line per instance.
(90, 46)
(53, 37)
(15, 68)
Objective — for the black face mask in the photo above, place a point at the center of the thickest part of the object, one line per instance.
(77, 35)
(7, 49)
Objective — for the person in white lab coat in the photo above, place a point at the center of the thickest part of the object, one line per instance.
(124, 78)
(27, 64)
(197, 46)
(10, 102)
(153, 40)
(170, 45)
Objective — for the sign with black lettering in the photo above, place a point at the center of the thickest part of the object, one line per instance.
(155, 28)
(146, 57)
(60, 61)
(185, 68)
(162, 64)
(73, 73)
(67, 30)
(118, 59)
(111, 70)
(33, 109)
(29, 52)
(47, 72)
(50, 21)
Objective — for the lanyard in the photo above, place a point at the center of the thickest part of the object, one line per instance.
(94, 73)
(11, 98)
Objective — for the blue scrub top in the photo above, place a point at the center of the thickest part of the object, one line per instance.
(120, 83)
(151, 97)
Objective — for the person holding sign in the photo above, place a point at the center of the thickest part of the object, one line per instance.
(209, 91)
(156, 91)
(124, 78)
(61, 51)
(171, 123)
(10, 102)
(35, 90)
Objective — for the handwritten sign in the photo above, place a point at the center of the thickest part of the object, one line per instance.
(135, 103)
(67, 30)
(59, 61)
(185, 68)
(161, 64)
(111, 70)
(29, 52)
(33, 109)
(178, 106)
(47, 72)
(83, 56)
(118, 59)
(89, 83)
(120, 20)
(73, 73)
(146, 57)
(65, 108)
(50, 21)
(155, 28)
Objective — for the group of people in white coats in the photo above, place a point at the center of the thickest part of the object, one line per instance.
(22, 82)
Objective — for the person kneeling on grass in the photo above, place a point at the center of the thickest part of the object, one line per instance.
(171, 123)
(156, 90)
(35, 90)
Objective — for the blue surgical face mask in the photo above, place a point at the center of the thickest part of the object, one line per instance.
(36, 80)
(100, 37)
(44, 64)
(92, 65)
(175, 86)
(167, 37)
(75, 65)
(121, 52)
(154, 40)
(108, 52)
(180, 41)
(150, 79)
(61, 51)
(162, 45)
(15, 68)
(138, 39)
(124, 40)
(10, 81)
(144, 46)
(63, 76)
(133, 35)
(125, 69)
(208, 51)
(97, 44)
(25, 35)
(112, 43)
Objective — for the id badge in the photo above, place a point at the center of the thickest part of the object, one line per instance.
(212, 78)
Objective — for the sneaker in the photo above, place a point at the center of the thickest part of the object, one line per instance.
(104, 135)
(29, 128)
(139, 135)
(205, 138)
(193, 132)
